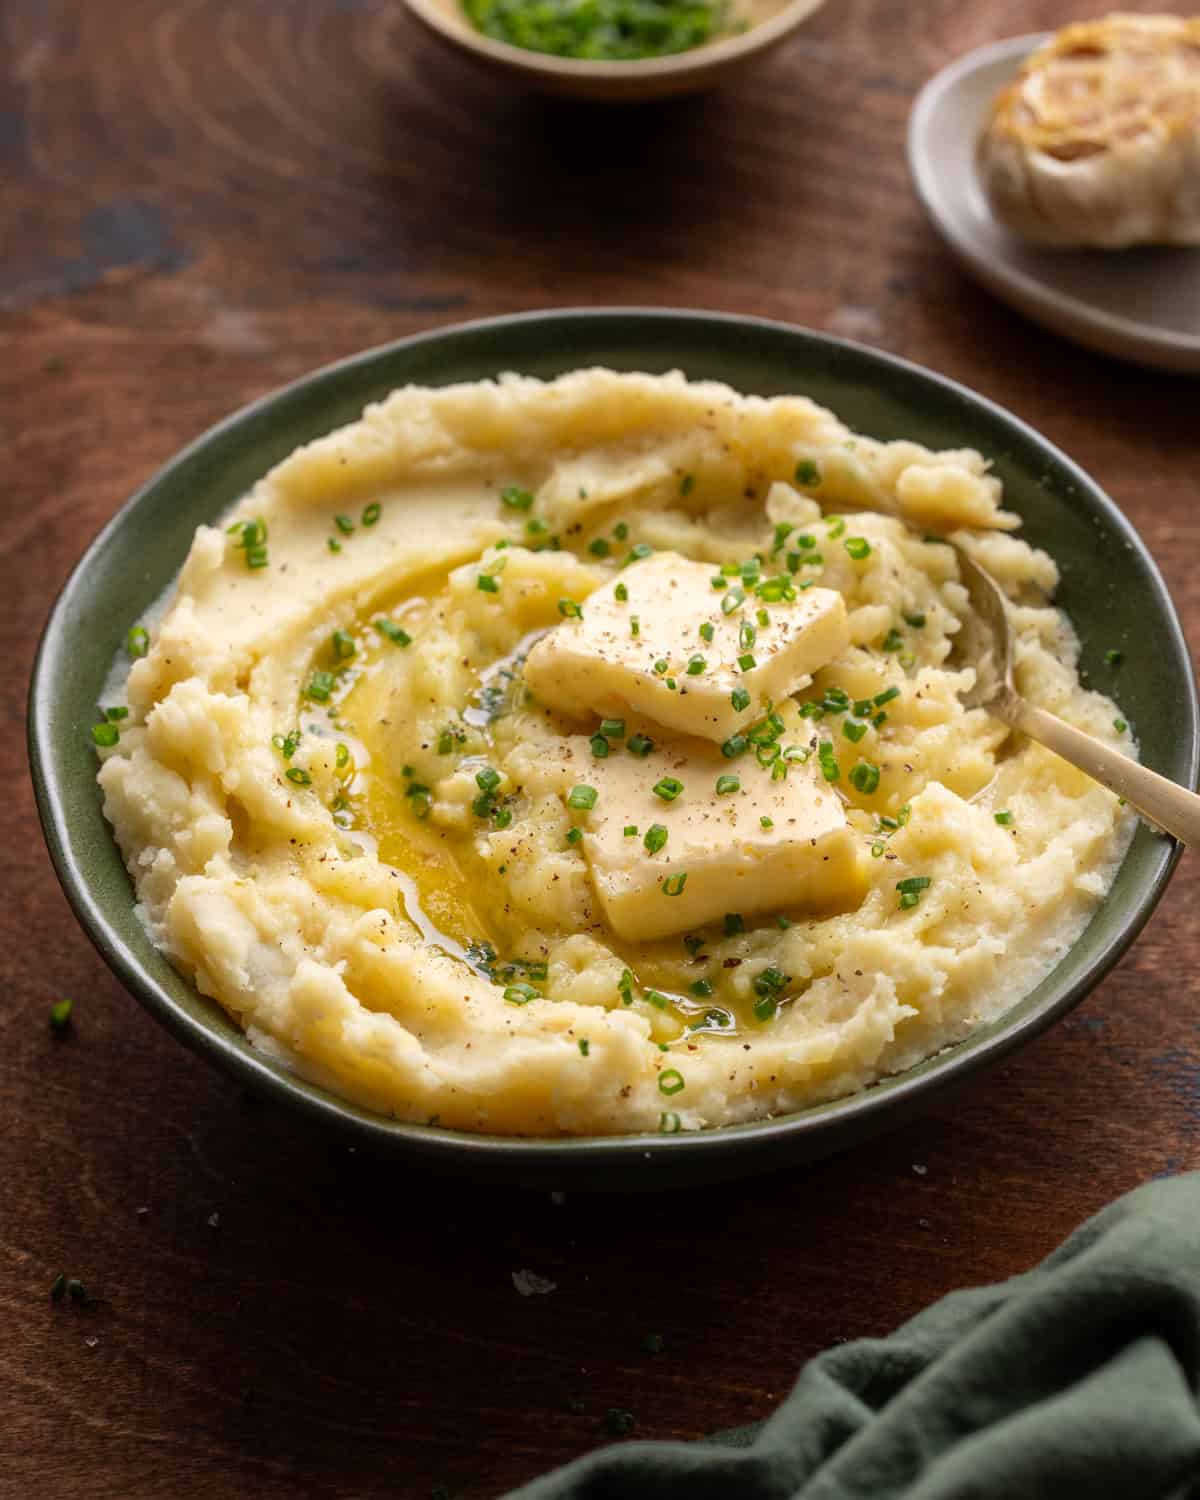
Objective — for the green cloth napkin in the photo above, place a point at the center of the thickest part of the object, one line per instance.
(1075, 1381)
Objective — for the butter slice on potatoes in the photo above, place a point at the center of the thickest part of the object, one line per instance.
(597, 664)
(806, 859)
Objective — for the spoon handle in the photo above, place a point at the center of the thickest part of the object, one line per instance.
(1172, 807)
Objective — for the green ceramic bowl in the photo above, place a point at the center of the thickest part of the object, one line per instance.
(1110, 588)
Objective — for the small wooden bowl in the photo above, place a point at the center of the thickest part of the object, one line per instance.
(770, 22)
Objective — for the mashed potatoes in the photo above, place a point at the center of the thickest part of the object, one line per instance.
(352, 823)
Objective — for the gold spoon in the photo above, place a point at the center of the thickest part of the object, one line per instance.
(987, 645)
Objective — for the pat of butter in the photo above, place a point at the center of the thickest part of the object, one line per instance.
(719, 856)
(647, 653)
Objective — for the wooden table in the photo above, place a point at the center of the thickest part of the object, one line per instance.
(199, 200)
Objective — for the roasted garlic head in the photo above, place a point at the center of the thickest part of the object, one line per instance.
(1097, 140)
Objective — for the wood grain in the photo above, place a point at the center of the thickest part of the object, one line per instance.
(199, 200)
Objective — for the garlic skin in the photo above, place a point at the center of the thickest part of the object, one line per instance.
(1096, 143)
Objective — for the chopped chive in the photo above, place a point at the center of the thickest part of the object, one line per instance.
(574, 835)
(702, 989)
(333, 544)
(137, 641)
(620, 531)
(858, 547)
(687, 484)
(807, 473)
(613, 729)
(445, 742)
(766, 1008)
(670, 1081)
(488, 779)
(695, 666)
(668, 1124)
(60, 1016)
(668, 788)
(733, 600)
(637, 552)
(344, 524)
(372, 513)
(735, 745)
(656, 838)
(746, 661)
(893, 641)
(1003, 818)
(783, 530)
(599, 547)
(657, 999)
(298, 775)
(877, 849)
(814, 560)
(600, 747)
(342, 645)
(521, 994)
(1120, 726)
(707, 631)
(516, 498)
(747, 635)
(829, 766)
(341, 756)
(1114, 658)
(394, 633)
(105, 735)
(864, 777)
(631, 830)
(635, 628)
(727, 784)
(734, 923)
(767, 822)
(535, 526)
(640, 745)
(674, 884)
(582, 796)
(662, 665)
(319, 687)
(916, 620)
(621, 593)
(503, 817)
(836, 528)
(913, 884)
(853, 730)
(487, 584)
(570, 608)
(886, 696)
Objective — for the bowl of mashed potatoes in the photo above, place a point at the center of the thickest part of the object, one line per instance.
(555, 763)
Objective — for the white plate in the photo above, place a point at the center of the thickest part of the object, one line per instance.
(1142, 305)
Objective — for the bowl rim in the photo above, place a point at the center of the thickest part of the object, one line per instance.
(677, 65)
(469, 1152)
